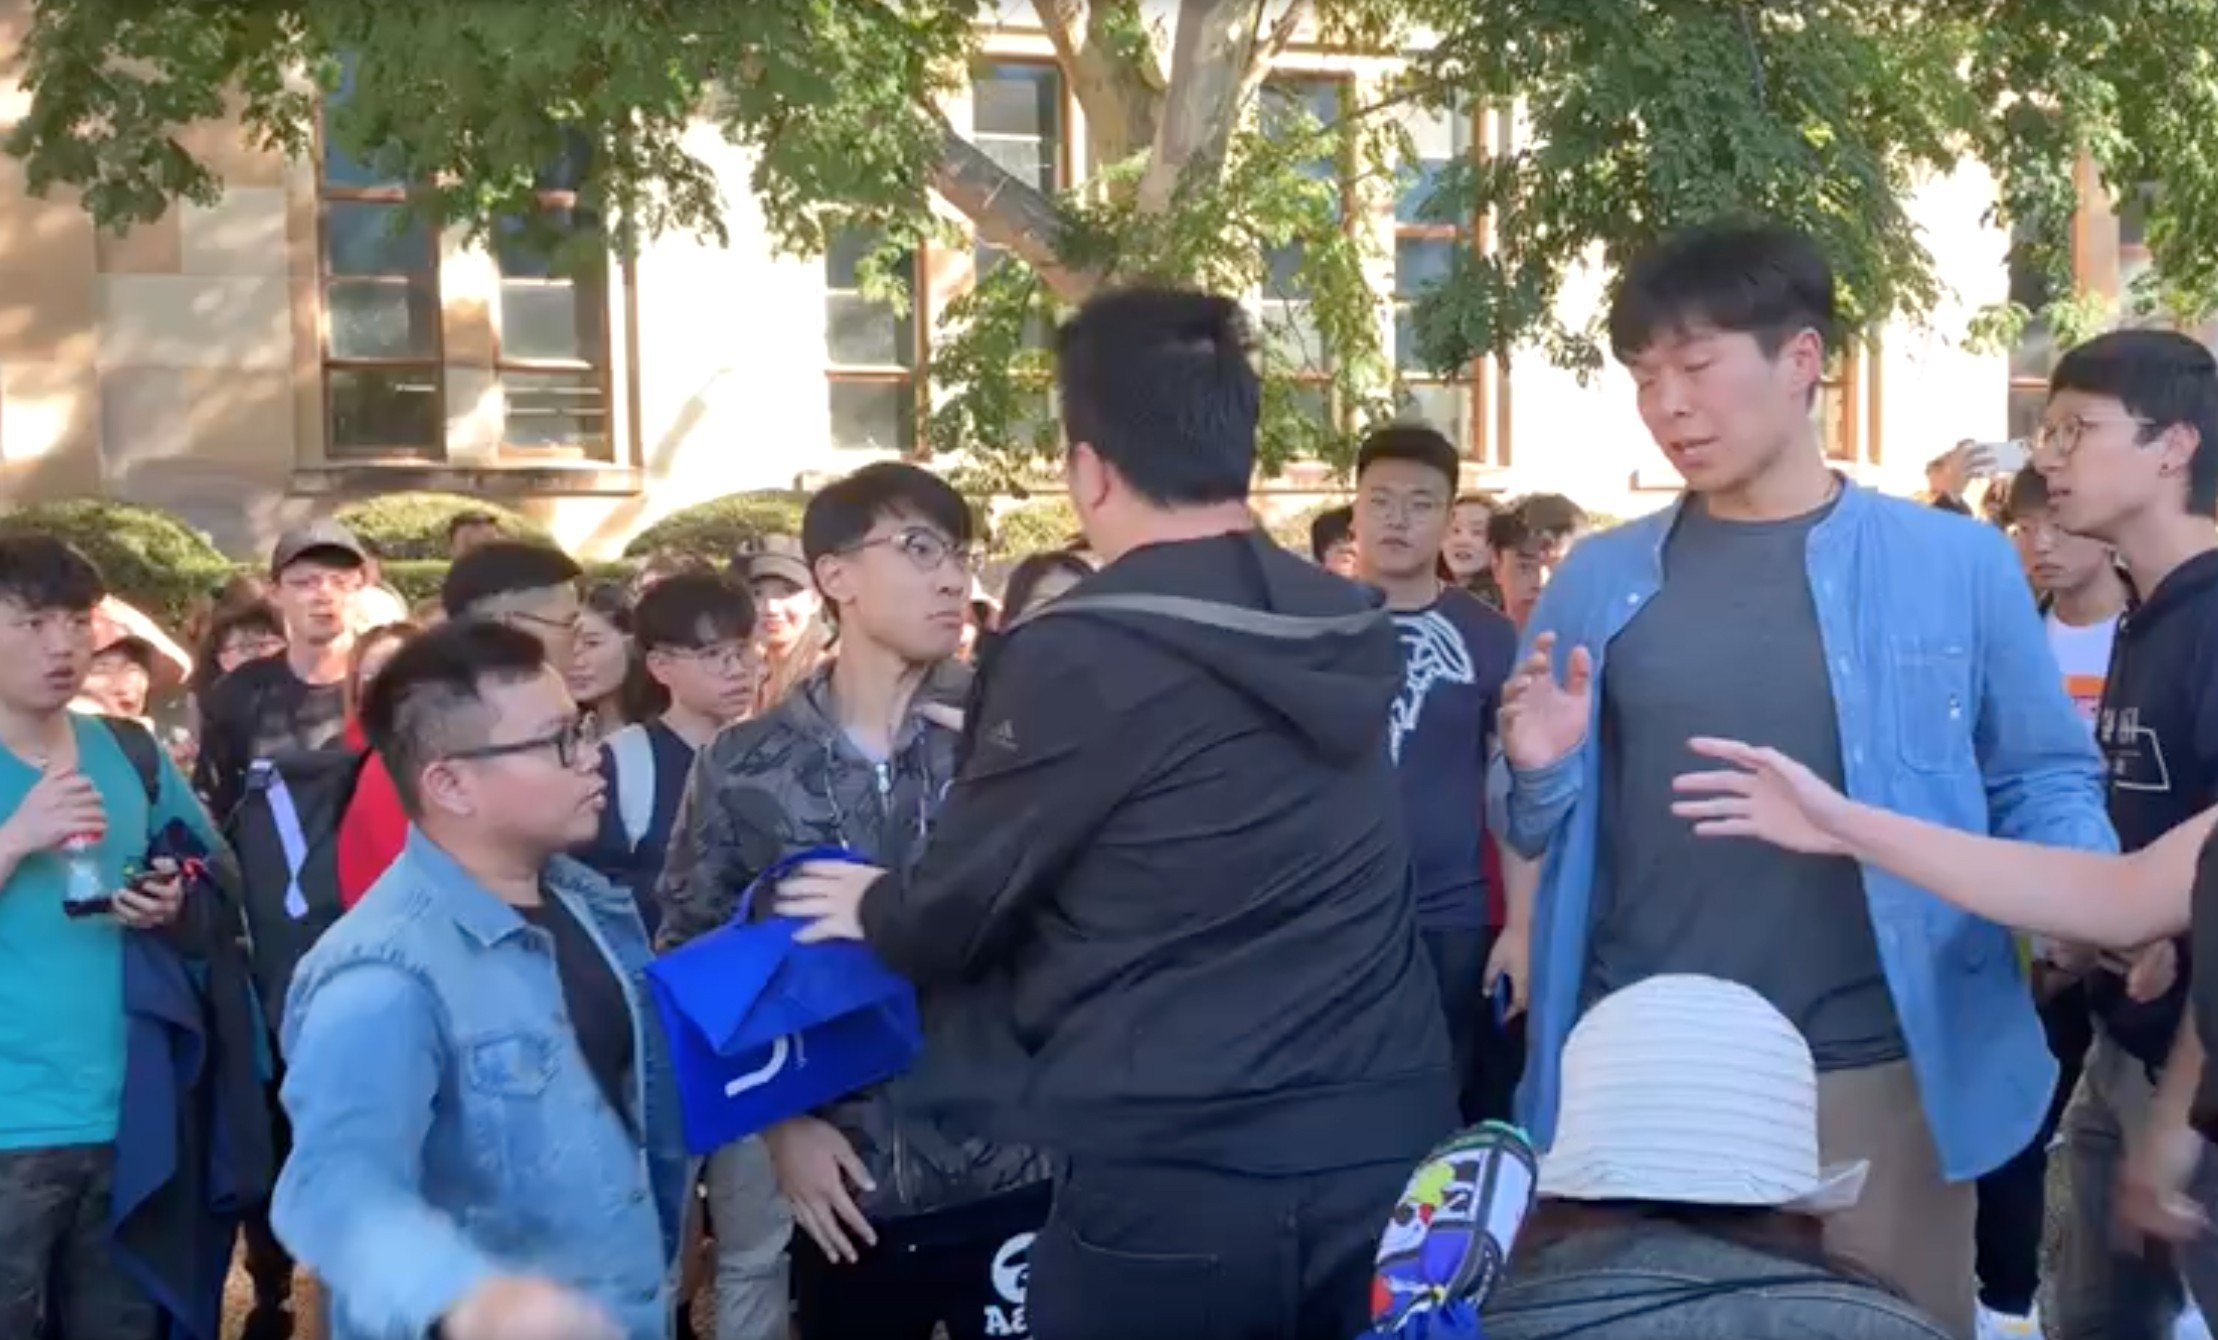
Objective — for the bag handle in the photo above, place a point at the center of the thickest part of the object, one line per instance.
(786, 865)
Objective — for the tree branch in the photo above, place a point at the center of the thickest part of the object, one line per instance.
(1273, 44)
(1008, 212)
(1215, 40)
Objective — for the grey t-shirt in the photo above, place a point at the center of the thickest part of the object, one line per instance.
(1730, 646)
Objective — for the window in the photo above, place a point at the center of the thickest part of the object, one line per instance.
(873, 350)
(381, 336)
(1839, 422)
(1286, 324)
(2034, 356)
(552, 335)
(1424, 252)
(1016, 118)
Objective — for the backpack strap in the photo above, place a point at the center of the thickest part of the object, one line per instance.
(263, 776)
(634, 754)
(139, 746)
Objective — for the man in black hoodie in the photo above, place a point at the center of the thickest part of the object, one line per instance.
(2129, 450)
(1177, 834)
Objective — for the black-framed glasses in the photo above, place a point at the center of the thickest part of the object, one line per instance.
(2062, 438)
(569, 625)
(923, 547)
(572, 744)
(729, 658)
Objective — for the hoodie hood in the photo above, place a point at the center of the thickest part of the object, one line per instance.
(1316, 652)
(2189, 586)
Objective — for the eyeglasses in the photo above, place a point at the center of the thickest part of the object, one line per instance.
(1415, 507)
(927, 549)
(569, 625)
(2062, 438)
(572, 744)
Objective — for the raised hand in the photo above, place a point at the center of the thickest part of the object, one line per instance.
(1764, 795)
(1543, 719)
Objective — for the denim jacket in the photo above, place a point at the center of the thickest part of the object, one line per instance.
(1951, 709)
(446, 1126)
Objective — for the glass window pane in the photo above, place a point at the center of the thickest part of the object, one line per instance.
(528, 250)
(1282, 276)
(381, 319)
(341, 168)
(1016, 100)
(360, 238)
(556, 409)
(873, 416)
(553, 320)
(1422, 262)
(384, 410)
(1442, 405)
(1289, 331)
(2029, 402)
(1312, 402)
(1832, 410)
(1025, 159)
(1405, 340)
(859, 333)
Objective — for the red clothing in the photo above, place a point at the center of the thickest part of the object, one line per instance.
(372, 829)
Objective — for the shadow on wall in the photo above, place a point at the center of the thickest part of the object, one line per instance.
(628, 515)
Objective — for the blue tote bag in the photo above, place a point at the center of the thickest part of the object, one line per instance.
(761, 1028)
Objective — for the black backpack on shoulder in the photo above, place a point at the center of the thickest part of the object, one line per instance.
(285, 833)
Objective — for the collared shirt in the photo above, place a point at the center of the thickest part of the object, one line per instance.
(1950, 710)
(484, 1146)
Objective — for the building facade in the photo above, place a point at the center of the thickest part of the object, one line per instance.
(293, 346)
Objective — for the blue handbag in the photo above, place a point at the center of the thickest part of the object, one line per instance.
(761, 1028)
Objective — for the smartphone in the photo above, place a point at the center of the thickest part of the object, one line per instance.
(2004, 458)
(1500, 996)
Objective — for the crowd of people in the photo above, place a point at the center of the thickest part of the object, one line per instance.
(1782, 845)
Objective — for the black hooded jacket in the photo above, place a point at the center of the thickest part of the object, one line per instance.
(2159, 733)
(1177, 843)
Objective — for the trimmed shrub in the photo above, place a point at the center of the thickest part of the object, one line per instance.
(714, 529)
(148, 557)
(413, 526)
(1035, 525)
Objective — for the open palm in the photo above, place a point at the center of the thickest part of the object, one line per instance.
(1764, 795)
(1542, 718)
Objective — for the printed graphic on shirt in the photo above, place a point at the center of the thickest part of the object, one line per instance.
(2133, 751)
(1012, 1275)
(2086, 695)
(1433, 653)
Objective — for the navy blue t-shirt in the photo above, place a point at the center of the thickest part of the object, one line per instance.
(1456, 655)
(612, 854)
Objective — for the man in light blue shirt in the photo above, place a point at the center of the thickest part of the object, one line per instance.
(65, 777)
(485, 1130)
(1891, 646)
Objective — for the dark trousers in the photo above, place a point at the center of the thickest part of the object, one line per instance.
(268, 1264)
(2012, 1199)
(1157, 1251)
(58, 1278)
(964, 1267)
(1489, 1057)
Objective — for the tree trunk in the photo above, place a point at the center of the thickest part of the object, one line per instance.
(1008, 213)
(1209, 67)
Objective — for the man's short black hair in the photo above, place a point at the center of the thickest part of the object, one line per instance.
(1412, 442)
(1506, 531)
(2162, 378)
(40, 572)
(841, 514)
(2027, 493)
(502, 568)
(693, 609)
(461, 521)
(1159, 383)
(1330, 529)
(1764, 280)
(1551, 514)
(429, 699)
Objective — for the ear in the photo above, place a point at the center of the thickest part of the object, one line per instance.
(833, 578)
(1805, 355)
(1088, 475)
(2176, 447)
(442, 787)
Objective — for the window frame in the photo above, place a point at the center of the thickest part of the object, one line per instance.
(1480, 440)
(399, 194)
(1310, 380)
(618, 269)
(916, 325)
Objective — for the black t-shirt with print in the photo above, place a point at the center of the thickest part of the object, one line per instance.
(257, 711)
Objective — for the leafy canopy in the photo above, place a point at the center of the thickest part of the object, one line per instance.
(1633, 118)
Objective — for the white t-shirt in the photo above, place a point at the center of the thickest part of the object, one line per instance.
(2083, 654)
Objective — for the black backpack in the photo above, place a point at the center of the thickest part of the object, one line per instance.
(285, 833)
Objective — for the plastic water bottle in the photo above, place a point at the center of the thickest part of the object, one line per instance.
(85, 891)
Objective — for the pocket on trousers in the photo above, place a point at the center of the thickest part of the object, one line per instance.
(1080, 1291)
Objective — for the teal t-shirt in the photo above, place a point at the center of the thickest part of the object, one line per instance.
(61, 981)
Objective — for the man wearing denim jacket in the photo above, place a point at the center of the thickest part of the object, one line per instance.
(1894, 647)
(486, 1139)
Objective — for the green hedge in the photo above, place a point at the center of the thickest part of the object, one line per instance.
(714, 529)
(1034, 526)
(147, 556)
(413, 526)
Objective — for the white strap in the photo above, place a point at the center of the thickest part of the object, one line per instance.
(634, 753)
(289, 836)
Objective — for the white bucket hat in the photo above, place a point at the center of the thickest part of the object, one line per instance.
(1696, 1091)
